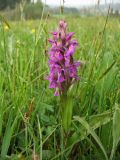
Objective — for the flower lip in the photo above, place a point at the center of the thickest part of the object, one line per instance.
(53, 84)
(56, 93)
(74, 43)
(51, 41)
(54, 33)
(69, 36)
(70, 51)
(61, 77)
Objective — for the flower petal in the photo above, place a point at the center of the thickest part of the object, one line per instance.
(70, 51)
(56, 93)
(69, 36)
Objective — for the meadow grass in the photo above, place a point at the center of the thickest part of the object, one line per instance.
(29, 117)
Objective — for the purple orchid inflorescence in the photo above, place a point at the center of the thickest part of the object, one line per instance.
(63, 67)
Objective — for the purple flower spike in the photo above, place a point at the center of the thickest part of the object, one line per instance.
(63, 67)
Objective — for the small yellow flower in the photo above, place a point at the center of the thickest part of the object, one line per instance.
(6, 27)
(33, 30)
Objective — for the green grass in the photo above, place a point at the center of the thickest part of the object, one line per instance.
(29, 114)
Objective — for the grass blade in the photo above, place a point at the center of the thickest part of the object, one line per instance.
(116, 131)
(92, 132)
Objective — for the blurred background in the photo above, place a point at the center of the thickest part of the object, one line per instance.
(33, 9)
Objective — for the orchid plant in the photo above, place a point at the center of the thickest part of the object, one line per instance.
(63, 67)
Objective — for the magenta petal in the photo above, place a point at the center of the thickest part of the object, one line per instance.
(52, 84)
(51, 41)
(69, 36)
(50, 52)
(67, 61)
(73, 71)
(56, 93)
(62, 25)
(70, 51)
(74, 43)
(53, 58)
(54, 33)
(77, 64)
(61, 77)
(60, 56)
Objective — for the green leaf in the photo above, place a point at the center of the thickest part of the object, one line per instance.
(107, 70)
(95, 122)
(116, 130)
(92, 132)
(8, 134)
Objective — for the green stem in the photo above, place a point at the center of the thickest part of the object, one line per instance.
(66, 111)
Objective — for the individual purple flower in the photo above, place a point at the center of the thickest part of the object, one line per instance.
(63, 67)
